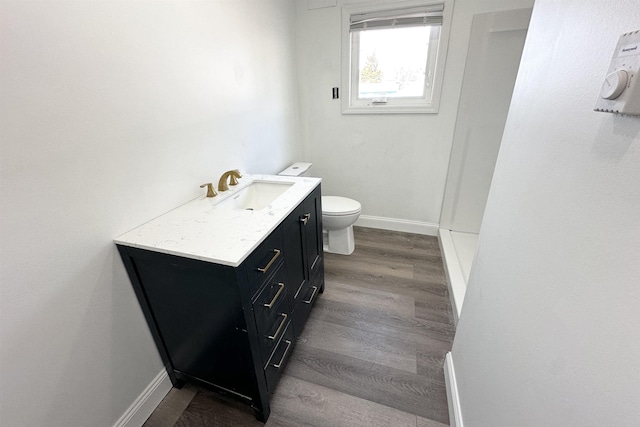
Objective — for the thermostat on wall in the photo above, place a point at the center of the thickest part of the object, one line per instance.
(620, 92)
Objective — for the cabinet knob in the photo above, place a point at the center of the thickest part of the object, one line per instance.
(276, 254)
(275, 298)
(284, 321)
(315, 291)
(279, 364)
(305, 218)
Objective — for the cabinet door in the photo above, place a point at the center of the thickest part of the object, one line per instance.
(294, 248)
(303, 232)
(312, 231)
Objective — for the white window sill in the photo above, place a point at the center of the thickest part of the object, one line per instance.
(389, 109)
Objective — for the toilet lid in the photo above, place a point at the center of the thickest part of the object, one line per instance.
(336, 205)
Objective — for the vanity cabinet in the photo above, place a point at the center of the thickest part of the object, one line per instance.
(232, 329)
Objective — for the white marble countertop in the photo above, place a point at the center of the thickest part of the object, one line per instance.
(209, 230)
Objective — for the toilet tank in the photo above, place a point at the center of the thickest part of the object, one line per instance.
(297, 169)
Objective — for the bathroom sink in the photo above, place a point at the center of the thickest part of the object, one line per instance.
(258, 195)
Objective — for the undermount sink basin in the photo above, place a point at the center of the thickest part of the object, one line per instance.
(258, 195)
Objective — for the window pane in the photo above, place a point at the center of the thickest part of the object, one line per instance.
(392, 62)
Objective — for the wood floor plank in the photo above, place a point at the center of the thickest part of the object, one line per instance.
(380, 237)
(418, 289)
(276, 420)
(407, 251)
(437, 309)
(362, 264)
(373, 299)
(309, 404)
(401, 390)
(364, 345)
(429, 271)
(411, 249)
(423, 422)
(430, 364)
(392, 326)
(208, 409)
(393, 253)
(386, 252)
(171, 407)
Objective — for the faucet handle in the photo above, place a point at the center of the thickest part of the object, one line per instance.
(210, 191)
(234, 175)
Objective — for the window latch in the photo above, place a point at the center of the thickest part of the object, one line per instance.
(382, 100)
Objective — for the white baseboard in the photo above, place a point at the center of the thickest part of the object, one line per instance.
(144, 405)
(453, 270)
(393, 224)
(453, 399)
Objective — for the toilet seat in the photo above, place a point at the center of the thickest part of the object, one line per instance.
(339, 206)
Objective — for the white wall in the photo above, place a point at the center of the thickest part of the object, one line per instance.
(549, 331)
(112, 113)
(395, 165)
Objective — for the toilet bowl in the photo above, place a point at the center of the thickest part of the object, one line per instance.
(338, 216)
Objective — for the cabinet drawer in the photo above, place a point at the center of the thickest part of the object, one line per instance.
(264, 261)
(273, 299)
(279, 359)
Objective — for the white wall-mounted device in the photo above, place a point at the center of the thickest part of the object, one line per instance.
(620, 92)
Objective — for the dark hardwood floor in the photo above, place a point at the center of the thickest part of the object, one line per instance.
(371, 354)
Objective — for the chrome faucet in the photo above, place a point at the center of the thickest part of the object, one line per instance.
(232, 176)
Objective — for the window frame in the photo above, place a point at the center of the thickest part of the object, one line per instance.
(423, 105)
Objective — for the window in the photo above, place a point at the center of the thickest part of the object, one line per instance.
(393, 57)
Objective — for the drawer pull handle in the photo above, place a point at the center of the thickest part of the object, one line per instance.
(284, 320)
(315, 291)
(275, 298)
(306, 218)
(276, 254)
(277, 365)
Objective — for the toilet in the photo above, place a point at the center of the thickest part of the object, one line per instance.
(338, 216)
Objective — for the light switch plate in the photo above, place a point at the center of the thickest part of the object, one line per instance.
(620, 91)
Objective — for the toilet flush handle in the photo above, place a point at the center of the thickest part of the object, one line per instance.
(306, 218)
